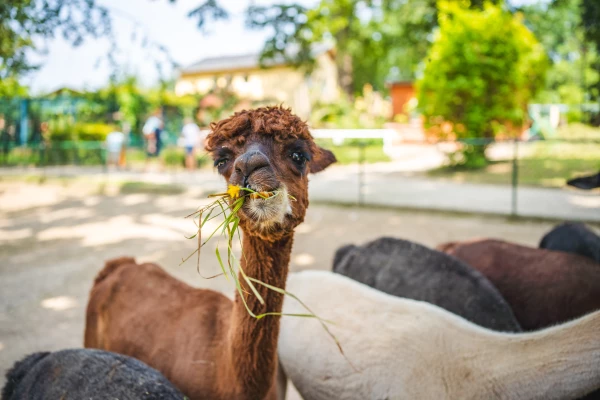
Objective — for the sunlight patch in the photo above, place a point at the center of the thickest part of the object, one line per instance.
(17, 234)
(304, 259)
(59, 303)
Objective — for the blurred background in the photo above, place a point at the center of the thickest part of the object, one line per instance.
(449, 119)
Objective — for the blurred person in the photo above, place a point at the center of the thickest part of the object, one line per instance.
(190, 133)
(152, 132)
(123, 156)
(115, 144)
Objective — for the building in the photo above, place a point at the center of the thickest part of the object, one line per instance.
(278, 82)
(402, 94)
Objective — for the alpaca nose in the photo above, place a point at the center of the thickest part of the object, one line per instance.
(249, 162)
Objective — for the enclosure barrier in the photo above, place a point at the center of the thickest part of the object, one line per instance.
(521, 163)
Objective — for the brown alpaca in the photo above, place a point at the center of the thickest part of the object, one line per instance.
(205, 344)
(543, 287)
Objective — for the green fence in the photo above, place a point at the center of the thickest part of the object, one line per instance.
(86, 154)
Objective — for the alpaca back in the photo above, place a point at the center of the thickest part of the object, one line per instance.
(406, 269)
(382, 340)
(85, 374)
(396, 348)
(575, 238)
(543, 287)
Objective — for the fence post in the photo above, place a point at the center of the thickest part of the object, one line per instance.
(24, 122)
(361, 172)
(515, 177)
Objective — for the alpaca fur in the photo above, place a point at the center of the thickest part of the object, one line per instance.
(574, 238)
(407, 269)
(405, 349)
(207, 345)
(543, 287)
(85, 374)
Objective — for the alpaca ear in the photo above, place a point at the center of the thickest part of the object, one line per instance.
(320, 160)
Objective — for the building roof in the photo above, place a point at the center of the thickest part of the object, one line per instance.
(228, 63)
(245, 61)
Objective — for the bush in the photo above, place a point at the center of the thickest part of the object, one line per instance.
(62, 133)
(175, 157)
(94, 132)
(61, 153)
(482, 70)
(367, 111)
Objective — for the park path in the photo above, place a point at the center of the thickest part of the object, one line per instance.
(388, 188)
(385, 185)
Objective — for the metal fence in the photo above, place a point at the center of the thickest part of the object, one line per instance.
(521, 172)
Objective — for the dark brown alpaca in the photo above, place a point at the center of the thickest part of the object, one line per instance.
(543, 287)
(205, 344)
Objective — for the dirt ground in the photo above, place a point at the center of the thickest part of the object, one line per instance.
(54, 239)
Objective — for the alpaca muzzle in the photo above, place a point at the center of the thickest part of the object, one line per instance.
(253, 170)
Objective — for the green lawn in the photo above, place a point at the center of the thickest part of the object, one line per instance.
(130, 187)
(576, 131)
(548, 164)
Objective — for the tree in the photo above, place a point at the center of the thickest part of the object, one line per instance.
(10, 87)
(558, 25)
(374, 40)
(23, 22)
(481, 71)
(590, 20)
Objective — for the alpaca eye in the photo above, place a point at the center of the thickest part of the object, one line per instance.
(221, 162)
(298, 158)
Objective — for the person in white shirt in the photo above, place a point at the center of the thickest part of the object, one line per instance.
(191, 136)
(114, 145)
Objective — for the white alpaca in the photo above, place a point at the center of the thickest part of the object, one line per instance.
(406, 349)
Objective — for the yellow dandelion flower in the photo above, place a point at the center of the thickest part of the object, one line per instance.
(233, 191)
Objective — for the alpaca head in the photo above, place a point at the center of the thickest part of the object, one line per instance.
(268, 149)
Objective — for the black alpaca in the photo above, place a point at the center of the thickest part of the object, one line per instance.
(85, 374)
(572, 237)
(406, 269)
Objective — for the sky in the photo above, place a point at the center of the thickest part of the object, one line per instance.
(161, 22)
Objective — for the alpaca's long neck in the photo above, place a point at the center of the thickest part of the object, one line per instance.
(557, 363)
(253, 343)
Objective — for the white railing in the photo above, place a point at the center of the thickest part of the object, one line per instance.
(338, 135)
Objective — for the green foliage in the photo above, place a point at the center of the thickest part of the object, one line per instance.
(10, 87)
(95, 132)
(366, 111)
(590, 21)
(558, 25)
(61, 131)
(481, 72)
(374, 40)
(25, 22)
(175, 157)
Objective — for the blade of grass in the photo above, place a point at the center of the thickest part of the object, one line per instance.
(228, 227)
(221, 261)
